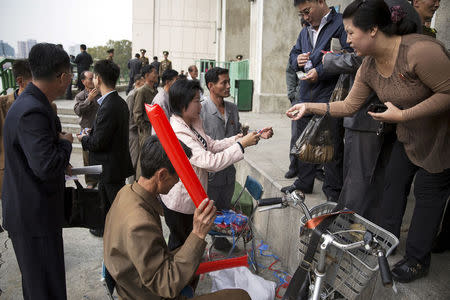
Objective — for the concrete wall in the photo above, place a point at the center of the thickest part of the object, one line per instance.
(237, 24)
(274, 27)
(187, 29)
(442, 23)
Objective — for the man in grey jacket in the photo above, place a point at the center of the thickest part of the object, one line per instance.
(221, 120)
(86, 107)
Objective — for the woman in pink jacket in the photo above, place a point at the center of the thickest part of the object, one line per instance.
(208, 155)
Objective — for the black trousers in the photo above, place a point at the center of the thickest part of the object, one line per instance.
(130, 84)
(180, 226)
(294, 137)
(41, 262)
(68, 94)
(431, 191)
(222, 195)
(306, 172)
(400, 173)
(366, 156)
(108, 192)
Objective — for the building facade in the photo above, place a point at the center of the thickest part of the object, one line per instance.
(263, 31)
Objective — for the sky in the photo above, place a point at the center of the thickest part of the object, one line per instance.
(68, 22)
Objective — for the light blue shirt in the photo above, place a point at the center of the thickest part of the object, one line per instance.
(100, 100)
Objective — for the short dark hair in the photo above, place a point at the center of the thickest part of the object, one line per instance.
(367, 14)
(298, 2)
(83, 75)
(47, 60)
(155, 57)
(108, 71)
(213, 74)
(21, 68)
(137, 55)
(154, 157)
(110, 51)
(147, 69)
(181, 93)
(191, 68)
(83, 46)
(168, 75)
(137, 77)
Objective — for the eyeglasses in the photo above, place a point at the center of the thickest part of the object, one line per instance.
(60, 74)
(304, 12)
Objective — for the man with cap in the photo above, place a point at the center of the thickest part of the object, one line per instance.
(134, 65)
(110, 54)
(144, 59)
(165, 64)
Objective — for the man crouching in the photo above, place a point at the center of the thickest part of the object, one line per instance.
(135, 251)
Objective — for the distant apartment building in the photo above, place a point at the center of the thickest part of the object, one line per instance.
(24, 47)
(6, 50)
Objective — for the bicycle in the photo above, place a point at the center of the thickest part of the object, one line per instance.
(350, 252)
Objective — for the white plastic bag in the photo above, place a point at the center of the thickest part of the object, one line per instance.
(242, 278)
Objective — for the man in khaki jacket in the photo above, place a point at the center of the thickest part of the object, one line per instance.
(22, 76)
(135, 251)
(143, 96)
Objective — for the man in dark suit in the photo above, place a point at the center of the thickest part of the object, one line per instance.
(83, 61)
(107, 142)
(36, 156)
(134, 65)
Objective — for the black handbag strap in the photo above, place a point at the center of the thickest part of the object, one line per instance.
(298, 287)
(78, 184)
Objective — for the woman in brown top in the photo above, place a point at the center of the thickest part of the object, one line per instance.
(411, 75)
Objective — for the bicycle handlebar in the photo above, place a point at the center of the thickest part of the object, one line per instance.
(385, 271)
(270, 201)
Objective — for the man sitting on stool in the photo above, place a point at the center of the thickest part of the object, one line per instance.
(135, 252)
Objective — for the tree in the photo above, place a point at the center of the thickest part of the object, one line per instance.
(122, 53)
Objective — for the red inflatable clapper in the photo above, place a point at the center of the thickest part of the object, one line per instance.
(210, 266)
(175, 153)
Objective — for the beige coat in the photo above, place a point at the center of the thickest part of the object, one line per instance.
(136, 253)
(219, 155)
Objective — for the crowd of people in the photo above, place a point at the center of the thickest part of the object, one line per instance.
(403, 72)
(390, 63)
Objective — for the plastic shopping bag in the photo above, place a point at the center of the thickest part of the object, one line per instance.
(315, 144)
(242, 278)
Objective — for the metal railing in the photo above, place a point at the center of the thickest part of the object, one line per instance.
(6, 75)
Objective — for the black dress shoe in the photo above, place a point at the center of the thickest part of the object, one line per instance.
(288, 189)
(290, 174)
(408, 270)
(96, 232)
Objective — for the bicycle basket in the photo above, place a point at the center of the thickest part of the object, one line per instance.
(347, 271)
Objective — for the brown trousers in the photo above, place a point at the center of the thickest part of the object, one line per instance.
(231, 294)
(90, 179)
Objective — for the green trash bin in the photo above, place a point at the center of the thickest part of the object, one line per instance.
(244, 94)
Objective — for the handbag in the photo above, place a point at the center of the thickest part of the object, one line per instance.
(316, 144)
(83, 207)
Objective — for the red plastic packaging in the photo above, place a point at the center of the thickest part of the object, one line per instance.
(211, 266)
(175, 153)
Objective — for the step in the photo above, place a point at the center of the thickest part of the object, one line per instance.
(68, 119)
(71, 128)
(65, 110)
(76, 147)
